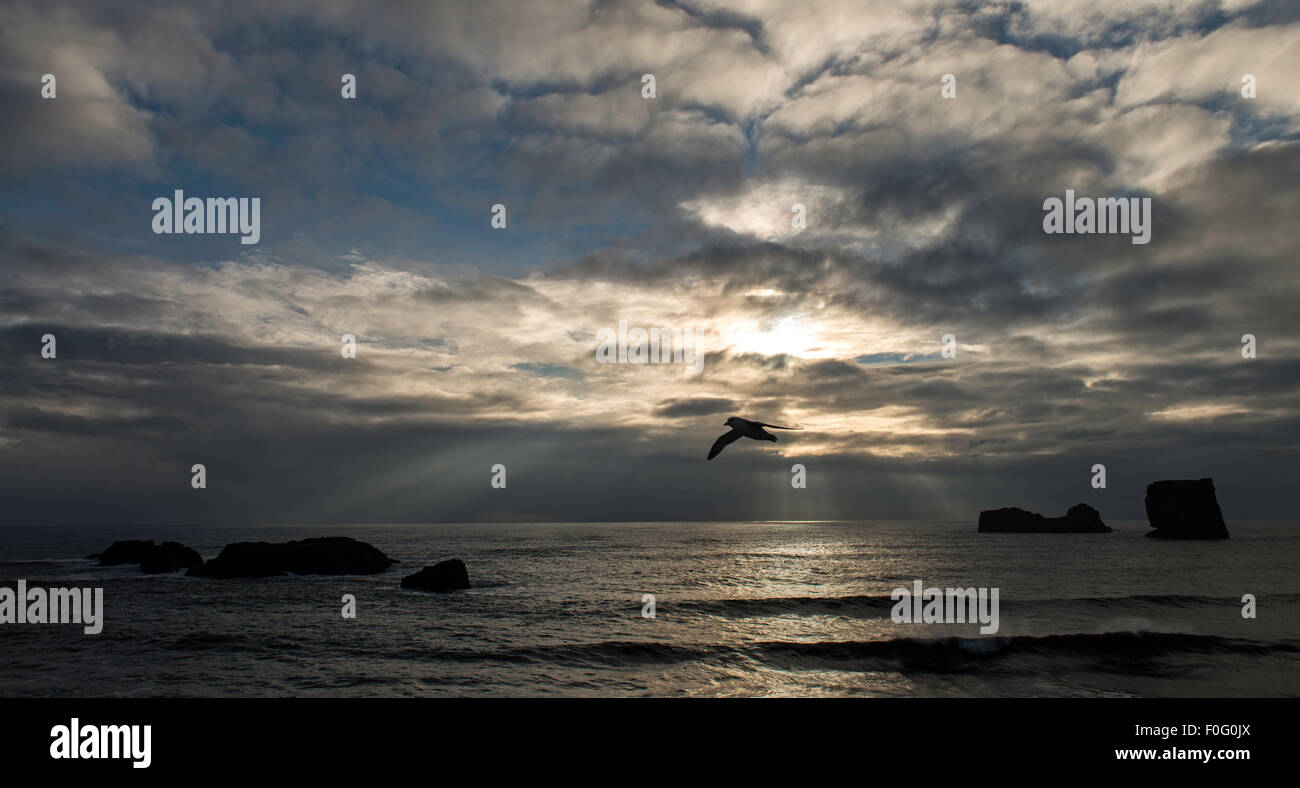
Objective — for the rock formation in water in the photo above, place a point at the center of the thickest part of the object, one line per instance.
(1080, 519)
(152, 558)
(1184, 509)
(442, 576)
(332, 555)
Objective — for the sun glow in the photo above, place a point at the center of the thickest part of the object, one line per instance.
(788, 335)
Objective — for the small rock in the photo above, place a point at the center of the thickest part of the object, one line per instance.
(442, 576)
(152, 558)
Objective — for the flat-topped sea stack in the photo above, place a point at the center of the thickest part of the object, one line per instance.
(1080, 519)
(1184, 509)
(332, 555)
(153, 558)
(442, 576)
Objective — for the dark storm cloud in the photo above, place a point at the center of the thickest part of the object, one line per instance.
(699, 406)
(723, 19)
(90, 345)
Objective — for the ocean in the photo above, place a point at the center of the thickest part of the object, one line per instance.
(741, 609)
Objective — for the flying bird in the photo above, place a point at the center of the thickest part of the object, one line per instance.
(744, 428)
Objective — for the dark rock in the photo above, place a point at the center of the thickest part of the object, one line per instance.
(1080, 519)
(171, 557)
(127, 551)
(332, 555)
(442, 576)
(1184, 509)
(152, 558)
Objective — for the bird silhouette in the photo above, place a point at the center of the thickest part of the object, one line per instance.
(744, 428)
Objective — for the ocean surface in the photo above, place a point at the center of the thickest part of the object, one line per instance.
(741, 609)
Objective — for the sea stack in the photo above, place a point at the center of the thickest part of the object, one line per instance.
(332, 555)
(1184, 509)
(1080, 519)
(153, 559)
(442, 576)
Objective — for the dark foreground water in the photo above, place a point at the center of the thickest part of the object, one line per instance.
(741, 609)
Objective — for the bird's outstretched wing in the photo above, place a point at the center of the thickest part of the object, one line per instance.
(777, 426)
(722, 443)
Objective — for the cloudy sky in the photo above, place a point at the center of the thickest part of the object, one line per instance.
(477, 345)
